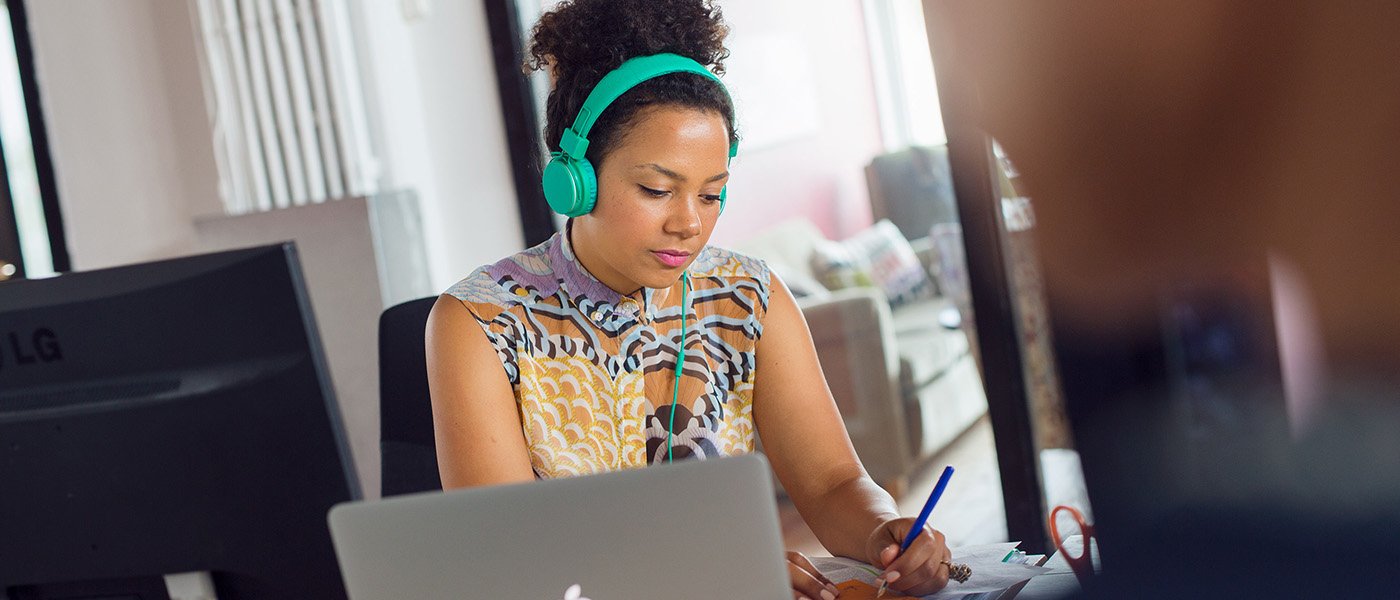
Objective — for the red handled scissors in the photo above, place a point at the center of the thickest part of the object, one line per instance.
(1082, 565)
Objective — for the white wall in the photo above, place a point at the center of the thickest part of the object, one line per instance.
(131, 147)
(134, 160)
(819, 176)
(133, 153)
(134, 156)
(433, 85)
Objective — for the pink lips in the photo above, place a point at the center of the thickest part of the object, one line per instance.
(671, 258)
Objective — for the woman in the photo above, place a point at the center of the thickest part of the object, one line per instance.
(561, 360)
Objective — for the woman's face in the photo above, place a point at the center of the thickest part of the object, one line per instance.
(658, 199)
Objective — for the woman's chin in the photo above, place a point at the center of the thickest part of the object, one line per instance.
(660, 278)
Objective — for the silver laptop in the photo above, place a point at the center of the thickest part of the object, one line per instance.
(696, 529)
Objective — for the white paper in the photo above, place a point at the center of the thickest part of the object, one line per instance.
(989, 574)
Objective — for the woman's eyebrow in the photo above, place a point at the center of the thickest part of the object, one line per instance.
(677, 176)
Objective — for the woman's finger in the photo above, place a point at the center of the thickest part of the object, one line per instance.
(919, 564)
(888, 555)
(925, 546)
(940, 576)
(805, 586)
(886, 536)
(801, 560)
(933, 575)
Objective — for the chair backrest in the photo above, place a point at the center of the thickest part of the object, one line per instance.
(913, 188)
(406, 443)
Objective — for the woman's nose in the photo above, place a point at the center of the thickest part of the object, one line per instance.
(685, 218)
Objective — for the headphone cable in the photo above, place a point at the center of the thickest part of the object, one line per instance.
(680, 364)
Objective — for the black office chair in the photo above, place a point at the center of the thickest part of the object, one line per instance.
(406, 444)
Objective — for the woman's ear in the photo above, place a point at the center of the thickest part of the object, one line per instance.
(549, 69)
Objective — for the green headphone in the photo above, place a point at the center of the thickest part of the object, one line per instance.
(570, 184)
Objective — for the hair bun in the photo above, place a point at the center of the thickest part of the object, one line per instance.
(581, 40)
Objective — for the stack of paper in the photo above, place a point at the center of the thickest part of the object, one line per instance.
(990, 575)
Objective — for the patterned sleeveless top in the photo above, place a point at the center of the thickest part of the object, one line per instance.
(592, 369)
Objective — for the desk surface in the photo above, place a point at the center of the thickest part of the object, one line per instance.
(1060, 582)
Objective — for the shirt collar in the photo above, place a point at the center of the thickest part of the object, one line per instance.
(580, 285)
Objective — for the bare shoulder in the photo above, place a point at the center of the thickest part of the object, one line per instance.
(449, 313)
(784, 318)
(455, 333)
(715, 261)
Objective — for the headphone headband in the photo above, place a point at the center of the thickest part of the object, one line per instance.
(574, 141)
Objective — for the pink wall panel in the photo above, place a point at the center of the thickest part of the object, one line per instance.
(820, 175)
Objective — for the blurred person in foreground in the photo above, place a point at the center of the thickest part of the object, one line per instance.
(1175, 146)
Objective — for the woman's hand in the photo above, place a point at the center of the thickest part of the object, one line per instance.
(807, 582)
(920, 570)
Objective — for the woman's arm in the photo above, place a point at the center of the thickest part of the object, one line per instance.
(806, 442)
(475, 419)
(805, 439)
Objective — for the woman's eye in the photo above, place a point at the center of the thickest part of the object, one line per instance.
(711, 198)
(650, 192)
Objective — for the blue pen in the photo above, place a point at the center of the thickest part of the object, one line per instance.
(923, 518)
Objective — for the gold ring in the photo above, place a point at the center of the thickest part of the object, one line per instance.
(958, 572)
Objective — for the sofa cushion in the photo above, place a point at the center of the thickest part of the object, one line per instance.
(926, 349)
(881, 257)
(943, 409)
(839, 267)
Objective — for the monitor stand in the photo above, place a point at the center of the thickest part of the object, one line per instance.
(197, 585)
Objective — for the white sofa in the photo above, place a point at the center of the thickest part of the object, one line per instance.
(906, 386)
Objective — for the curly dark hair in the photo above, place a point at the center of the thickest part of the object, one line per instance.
(582, 40)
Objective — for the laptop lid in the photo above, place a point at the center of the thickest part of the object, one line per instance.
(695, 529)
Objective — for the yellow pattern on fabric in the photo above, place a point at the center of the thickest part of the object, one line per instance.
(592, 370)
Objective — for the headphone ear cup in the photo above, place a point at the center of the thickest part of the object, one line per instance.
(723, 197)
(587, 181)
(570, 185)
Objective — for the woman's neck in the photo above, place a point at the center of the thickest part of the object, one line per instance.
(597, 267)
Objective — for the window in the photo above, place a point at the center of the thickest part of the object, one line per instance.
(903, 68)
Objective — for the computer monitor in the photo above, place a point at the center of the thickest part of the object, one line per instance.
(1177, 404)
(1198, 485)
(165, 418)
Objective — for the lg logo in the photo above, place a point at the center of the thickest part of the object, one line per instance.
(27, 348)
